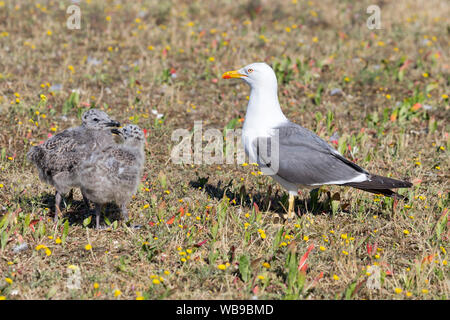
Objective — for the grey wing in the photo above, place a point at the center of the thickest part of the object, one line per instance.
(299, 156)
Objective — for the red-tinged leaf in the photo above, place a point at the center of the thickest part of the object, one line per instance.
(198, 245)
(255, 290)
(181, 211)
(49, 135)
(85, 104)
(320, 276)
(405, 65)
(428, 259)
(416, 107)
(144, 177)
(171, 220)
(393, 117)
(151, 224)
(394, 207)
(33, 222)
(172, 71)
(256, 207)
(369, 249)
(303, 268)
(316, 280)
(302, 261)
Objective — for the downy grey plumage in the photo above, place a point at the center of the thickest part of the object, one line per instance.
(57, 158)
(113, 173)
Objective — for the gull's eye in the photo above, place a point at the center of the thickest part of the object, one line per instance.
(250, 70)
(95, 119)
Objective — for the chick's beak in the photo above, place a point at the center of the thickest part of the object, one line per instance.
(113, 123)
(117, 131)
(233, 74)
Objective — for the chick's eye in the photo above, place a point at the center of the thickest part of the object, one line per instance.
(250, 70)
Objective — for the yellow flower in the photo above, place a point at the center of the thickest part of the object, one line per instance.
(151, 48)
(305, 238)
(398, 290)
(9, 280)
(322, 248)
(117, 293)
(425, 75)
(108, 18)
(344, 236)
(211, 59)
(39, 247)
(335, 277)
(444, 96)
(406, 232)
(266, 265)
(88, 247)
(221, 267)
(2, 298)
(388, 96)
(408, 294)
(58, 240)
(425, 291)
(48, 252)
(315, 39)
(156, 281)
(140, 298)
(71, 68)
(345, 252)
(96, 285)
(49, 32)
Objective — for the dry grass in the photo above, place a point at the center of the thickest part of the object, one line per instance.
(122, 59)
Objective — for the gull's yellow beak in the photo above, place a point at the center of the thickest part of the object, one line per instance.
(232, 74)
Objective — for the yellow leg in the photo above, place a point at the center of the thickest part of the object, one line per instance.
(291, 206)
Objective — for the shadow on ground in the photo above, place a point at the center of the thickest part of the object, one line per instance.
(73, 210)
(269, 201)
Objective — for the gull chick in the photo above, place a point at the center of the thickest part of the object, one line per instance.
(58, 157)
(292, 155)
(113, 173)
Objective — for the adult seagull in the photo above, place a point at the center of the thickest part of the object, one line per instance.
(294, 156)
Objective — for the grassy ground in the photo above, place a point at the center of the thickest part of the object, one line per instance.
(203, 237)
